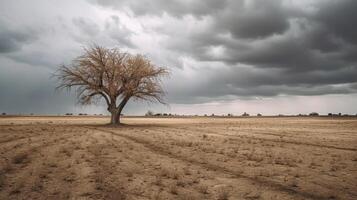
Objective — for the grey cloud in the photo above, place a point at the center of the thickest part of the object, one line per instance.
(309, 50)
(338, 18)
(158, 7)
(86, 26)
(323, 39)
(283, 77)
(113, 29)
(255, 19)
(12, 40)
(247, 19)
(220, 84)
(117, 31)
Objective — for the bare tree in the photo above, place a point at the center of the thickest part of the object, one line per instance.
(114, 76)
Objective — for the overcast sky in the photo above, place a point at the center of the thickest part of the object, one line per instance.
(225, 56)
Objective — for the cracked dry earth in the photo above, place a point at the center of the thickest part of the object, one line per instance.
(178, 158)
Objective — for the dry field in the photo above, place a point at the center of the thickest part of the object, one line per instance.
(178, 158)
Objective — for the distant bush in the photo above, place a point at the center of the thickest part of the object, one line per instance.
(69, 113)
(3, 113)
(230, 115)
(259, 115)
(314, 114)
(245, 114)
(149, 113)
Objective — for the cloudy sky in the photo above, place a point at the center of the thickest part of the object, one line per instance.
(225, 56)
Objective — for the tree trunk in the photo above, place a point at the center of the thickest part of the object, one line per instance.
(116, 111)
(115, 117)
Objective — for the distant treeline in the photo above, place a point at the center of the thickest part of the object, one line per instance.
(245, 114)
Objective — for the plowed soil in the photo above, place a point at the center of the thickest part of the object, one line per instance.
(178, 158)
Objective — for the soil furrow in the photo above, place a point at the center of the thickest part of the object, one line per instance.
(272, 140)
(267, 183)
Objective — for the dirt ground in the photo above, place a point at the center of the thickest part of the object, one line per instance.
(178, 158)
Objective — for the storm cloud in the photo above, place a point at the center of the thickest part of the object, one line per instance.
(217, 50)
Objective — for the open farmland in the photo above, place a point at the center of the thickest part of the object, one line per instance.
(178, 158)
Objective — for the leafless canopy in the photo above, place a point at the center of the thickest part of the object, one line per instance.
(113, 75)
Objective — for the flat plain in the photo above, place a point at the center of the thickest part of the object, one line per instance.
(178, 158)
